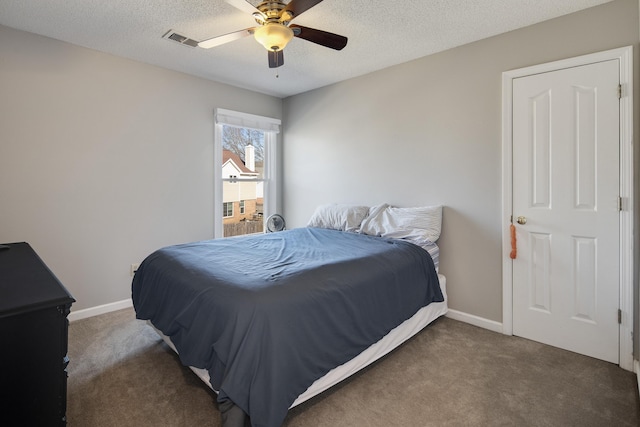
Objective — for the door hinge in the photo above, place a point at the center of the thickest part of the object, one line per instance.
(620, 204)
(619, 91)
(619, 317)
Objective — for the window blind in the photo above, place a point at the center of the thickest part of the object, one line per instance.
(245, 120)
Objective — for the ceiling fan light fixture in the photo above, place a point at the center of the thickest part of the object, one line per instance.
(273, 36)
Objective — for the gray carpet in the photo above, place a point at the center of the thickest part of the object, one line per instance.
(450, 374)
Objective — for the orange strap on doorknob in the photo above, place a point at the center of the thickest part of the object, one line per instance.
(514, 248)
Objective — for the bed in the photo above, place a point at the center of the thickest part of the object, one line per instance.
(269, 321)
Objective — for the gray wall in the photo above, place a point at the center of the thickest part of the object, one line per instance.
(103, 160)
(429, 131)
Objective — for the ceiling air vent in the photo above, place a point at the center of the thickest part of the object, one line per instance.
(172, 35)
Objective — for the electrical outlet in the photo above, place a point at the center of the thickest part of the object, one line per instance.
(134, 268)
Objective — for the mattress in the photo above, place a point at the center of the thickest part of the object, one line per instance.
(392, 340)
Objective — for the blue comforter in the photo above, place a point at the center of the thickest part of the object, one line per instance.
(269, 314)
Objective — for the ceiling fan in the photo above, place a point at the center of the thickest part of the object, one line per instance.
(275, 30)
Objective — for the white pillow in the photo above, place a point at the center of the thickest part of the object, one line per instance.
(338, 217)
(420, 223)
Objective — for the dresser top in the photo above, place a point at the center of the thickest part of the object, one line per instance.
(26, 283)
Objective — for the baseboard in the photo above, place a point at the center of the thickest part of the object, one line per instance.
(100, 309)
(481, 322)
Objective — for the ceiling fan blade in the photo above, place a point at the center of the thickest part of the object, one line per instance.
(276, 59)
(244, 6)
(323, 38)
(296, 7)
(226, 38)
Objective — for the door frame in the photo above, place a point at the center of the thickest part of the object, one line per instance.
(625, 57)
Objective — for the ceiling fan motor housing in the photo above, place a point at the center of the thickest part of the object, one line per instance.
(274, 11)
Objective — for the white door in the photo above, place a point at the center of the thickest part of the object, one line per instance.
(566, 186)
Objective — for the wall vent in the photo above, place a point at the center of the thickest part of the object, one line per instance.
(172, 35)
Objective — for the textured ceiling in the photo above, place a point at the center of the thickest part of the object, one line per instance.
(381, 34)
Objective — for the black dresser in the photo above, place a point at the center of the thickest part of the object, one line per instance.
(33, 340)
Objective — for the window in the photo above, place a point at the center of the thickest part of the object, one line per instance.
(227, 210)
(245, 172)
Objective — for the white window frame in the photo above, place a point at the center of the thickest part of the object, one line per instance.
(271, 129)
(223, 210)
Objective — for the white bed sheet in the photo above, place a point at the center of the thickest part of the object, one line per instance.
(393, 339)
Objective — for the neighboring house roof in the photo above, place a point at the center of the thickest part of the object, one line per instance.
(228, 156)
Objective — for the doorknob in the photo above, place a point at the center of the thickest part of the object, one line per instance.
(521, 220)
